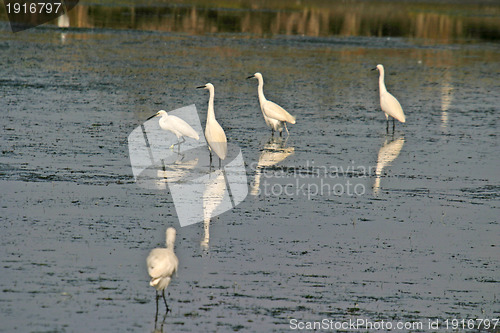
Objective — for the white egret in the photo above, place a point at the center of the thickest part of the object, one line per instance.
(214, 133)
(175, 125)
(162, 263)
(275, 116)
(388, 103)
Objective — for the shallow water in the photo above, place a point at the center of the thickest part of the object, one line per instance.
(418, 241)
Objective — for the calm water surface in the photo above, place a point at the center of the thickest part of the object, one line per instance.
(418, 241)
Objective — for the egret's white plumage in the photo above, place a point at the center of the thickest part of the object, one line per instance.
(216, 138)
(274, 115)
(175, 125)
(162, 264)
(388, 103)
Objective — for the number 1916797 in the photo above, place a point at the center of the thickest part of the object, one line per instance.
(33, 8)
(463, 324)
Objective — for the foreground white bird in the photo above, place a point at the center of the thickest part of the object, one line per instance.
(175, 125)
(162, 263)
(389, 103)
(216, 138)
(275, 116)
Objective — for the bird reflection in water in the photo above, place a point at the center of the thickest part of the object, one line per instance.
(446, 99)
(175, 172)
(274, 151)
(215, 189)
(159, 325)
(386, 155)
(63, 22)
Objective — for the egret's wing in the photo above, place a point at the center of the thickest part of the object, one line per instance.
(274, 111)
(216, 139)
(174, 123)
(391, 106)
(161, 262)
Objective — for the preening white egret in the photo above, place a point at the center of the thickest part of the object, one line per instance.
(175, 125)
(275, 116)
(216, 138)
(389, 103)
(162, 263)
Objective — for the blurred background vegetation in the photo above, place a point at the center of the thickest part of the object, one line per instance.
(443, 21)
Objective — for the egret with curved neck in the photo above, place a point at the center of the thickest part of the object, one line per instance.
(175, 125)
(216, 138)
(274, 115)
(388, 103)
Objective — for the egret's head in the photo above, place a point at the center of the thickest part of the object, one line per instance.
(158, 114)
(379, 67)
(257, 75)
(208, 86)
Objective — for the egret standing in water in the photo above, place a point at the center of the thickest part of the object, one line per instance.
(389, 103)
(216, 138)
(175, 125)
(162, 263)
(275, 116)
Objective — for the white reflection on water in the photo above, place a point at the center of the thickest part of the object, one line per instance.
(175, 172)
(215, 189)
(446, 98)
(63, 22)
(386, 155)
(274, 151)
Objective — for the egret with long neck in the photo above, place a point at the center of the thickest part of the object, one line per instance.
(216, 138)
(274, 115)
(388, 103)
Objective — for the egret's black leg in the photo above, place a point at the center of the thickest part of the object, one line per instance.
(387, 126)
(210, 153)
(220, 162)
(157, 298)
(165, 300)
(163, 322)
(393, 125)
